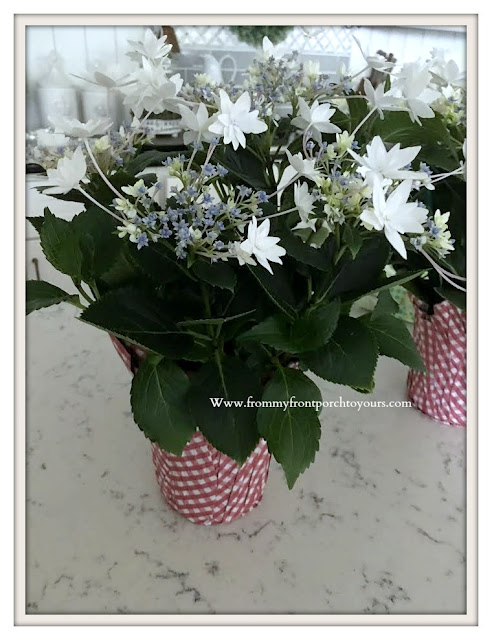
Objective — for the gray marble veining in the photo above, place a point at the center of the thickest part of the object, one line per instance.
(375, 525)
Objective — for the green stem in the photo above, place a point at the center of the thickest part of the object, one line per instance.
(206, 304)
(221, 372)
(95, 290)
(77, 303)
(78, 286)
(199, 336)
(309, 288)
(373, 110)
(219, 190)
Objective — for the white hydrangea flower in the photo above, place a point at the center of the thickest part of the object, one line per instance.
(150, 47)
(395, 215)
(385, 166)
(302, 166)
(68, 174)
(261, 245)
(235, 119)
(412, 83)
(380, 100)
(151, 90)
(76, 129)
(315, 118)
(196, 124)
(304, 202)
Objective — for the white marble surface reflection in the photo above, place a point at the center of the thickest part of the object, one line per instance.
(376, 525)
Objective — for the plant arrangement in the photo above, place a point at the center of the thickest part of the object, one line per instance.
(296, 196)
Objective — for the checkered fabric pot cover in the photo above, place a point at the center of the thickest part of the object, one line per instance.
(203, 484)
(441, 340)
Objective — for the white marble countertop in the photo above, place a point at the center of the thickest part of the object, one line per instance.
(375, 525)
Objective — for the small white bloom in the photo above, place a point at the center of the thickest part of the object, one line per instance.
(439, 237)
(445, 72)
(150, 47)
(344, 142)
(235, 119)
(303, 167)
(68, 173)
(129, 229)
(261, 245)
(395, 215)
(204, 80)
(380, 100)
(151, 90)
(315, 118)
(102, 144)
(125, 206)
(269, 50)
(76, 129)
(310, 71)
(304, 202)
(137, 191)
(413, 84)
(386, 166)
(196, 124)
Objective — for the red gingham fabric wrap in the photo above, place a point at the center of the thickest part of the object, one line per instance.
(441, 340)
(203, 484)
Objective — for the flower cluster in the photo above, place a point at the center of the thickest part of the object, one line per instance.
(373, 187)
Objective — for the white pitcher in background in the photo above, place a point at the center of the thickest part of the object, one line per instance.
(214, 68)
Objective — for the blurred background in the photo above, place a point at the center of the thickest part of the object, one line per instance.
(58, 57)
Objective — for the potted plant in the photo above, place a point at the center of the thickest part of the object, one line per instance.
(439, 294)
(223, 296)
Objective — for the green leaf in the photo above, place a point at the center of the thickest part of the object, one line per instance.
(121, 270)
(349, 358)
(60, 244)
(158, 262)
(37, 222)
(230, 429)
(358, 109)
(245, 166)
(218, 274)
(157, 394)
(353, 239)
(292, 432)
(98, 242)
(273, 331)
(277, 287)
(310, 331)
(319, 258)
(83, 248)
(140, 318)
(361, 272)
(395, 341)
(385, 306)
(152, 158)
(383, 283)
(41, 294)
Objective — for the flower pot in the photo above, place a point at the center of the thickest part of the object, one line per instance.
(203, 484)
(440, 338)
